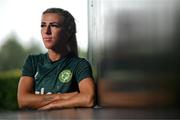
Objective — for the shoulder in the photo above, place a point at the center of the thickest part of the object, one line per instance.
(34, 58)
(79, 60)
(82, 69)
(81, 63)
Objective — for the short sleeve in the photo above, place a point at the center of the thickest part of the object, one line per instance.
(83, 70)
(28, 67)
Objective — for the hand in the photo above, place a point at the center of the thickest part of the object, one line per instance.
(60, 99)
(49, 106)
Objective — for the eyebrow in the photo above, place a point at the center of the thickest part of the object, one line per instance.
(51, 23)
(43, 23)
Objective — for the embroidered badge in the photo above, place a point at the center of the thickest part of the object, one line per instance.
(65, 76)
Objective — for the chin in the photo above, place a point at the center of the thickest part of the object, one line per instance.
(49, 46)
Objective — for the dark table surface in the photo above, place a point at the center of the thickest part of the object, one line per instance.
(91, 114)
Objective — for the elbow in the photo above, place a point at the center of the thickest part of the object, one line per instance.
(22, 104)
(89, 102)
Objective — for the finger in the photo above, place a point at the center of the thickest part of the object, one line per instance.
(47, 107)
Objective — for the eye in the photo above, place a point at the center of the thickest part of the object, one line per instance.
(54, 25)
(43, 25)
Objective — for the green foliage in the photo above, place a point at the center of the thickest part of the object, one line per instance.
(12, 57)
(8, 87)
(13, 54)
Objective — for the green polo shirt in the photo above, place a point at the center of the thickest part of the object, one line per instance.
(61, 76)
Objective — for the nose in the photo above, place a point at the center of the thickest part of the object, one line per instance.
(48, 30)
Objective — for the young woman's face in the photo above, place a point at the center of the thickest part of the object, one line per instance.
(51, 28)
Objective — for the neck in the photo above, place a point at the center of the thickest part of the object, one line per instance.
(54, 56)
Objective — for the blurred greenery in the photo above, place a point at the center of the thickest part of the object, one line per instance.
(13, 54)
(8, 86)
(12, 57)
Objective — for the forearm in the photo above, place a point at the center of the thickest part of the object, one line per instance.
(35, 101)
(79, 100)
(65, 96)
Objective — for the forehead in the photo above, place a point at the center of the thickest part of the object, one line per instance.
(52, 17)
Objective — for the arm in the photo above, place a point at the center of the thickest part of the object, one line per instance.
(85, 98)
(27, 98)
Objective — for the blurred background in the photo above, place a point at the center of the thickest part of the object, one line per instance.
(132, 45)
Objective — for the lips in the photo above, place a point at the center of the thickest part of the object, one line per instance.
(47, 38)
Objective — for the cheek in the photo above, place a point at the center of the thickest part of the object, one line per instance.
(42, 33)
(57, 34)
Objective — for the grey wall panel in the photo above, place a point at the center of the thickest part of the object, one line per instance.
(134, 49)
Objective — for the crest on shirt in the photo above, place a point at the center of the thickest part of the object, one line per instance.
(65, 76)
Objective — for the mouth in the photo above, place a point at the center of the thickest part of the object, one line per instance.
(47, 39)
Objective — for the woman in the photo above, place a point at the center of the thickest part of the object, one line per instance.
(59, 78)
